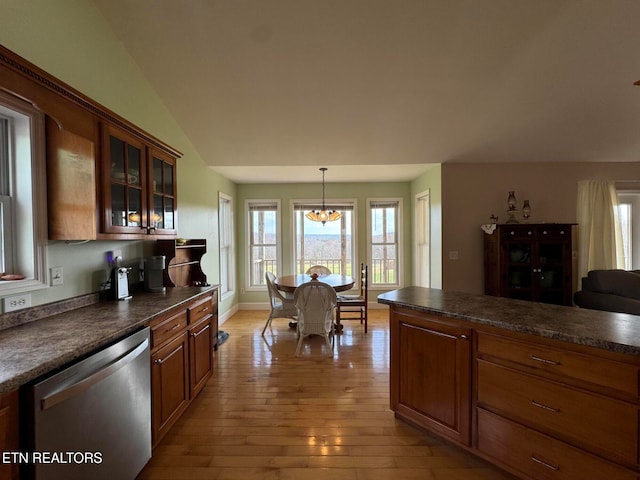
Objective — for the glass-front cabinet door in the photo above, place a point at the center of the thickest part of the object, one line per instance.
(139, 186)
(163, 209)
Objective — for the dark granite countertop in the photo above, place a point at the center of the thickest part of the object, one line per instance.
(615, 332)
(32, 349)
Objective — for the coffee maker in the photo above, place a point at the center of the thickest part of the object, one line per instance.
(119, 289)
(154, 274)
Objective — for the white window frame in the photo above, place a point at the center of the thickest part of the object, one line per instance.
(27, 209)
(227, 246)
(376, 203)
(304, 205)
(630, 227)
(276, 206)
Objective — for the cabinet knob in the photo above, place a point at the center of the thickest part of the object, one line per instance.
(157, 361)
(544, 232)
(529, 232)
(464, 337)
(561, 232)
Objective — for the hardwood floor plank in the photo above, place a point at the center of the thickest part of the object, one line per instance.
(266, 414)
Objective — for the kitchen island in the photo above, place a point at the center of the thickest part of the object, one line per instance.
(543, 391)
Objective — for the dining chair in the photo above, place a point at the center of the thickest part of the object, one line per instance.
(315, 302)
(319, 269)
(355, 306)
(281, 307)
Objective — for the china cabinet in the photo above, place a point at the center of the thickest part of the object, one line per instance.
(139, 186)
(530, 262)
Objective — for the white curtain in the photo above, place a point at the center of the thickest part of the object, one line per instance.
(599, 231)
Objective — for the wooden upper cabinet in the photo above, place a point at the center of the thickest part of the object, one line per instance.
(71, 184)
(138, 188)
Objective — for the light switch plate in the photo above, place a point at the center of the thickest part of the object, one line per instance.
(56, 276)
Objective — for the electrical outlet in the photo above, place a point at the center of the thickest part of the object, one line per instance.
(56, 276)
(17, 302)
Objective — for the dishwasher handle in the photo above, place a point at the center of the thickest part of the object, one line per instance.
(82, 385)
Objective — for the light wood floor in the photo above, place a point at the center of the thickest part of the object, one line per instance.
(266, 414)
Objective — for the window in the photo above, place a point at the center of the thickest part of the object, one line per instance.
(331, 244)
(384, 232)
(23, 221)
(6, 242)
(263, 232)
(629, 214)
(227, 255)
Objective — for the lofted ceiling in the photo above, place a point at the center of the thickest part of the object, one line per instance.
(270, 90)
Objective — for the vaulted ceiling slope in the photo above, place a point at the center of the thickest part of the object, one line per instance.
(259, 84)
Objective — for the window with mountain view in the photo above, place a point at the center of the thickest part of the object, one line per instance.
(331, 244)
(384, 231)
(263, 232)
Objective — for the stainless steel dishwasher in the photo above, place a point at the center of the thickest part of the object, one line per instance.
(92, 420)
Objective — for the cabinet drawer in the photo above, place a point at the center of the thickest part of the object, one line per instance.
(540, 456)
(553, 231)
(200, 309)
(167, 328)
(520, 232)
(599, 371)
(591, 421)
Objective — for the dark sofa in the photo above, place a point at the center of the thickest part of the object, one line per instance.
(610, 290)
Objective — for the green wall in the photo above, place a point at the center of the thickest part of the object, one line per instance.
(71, 40)
(342, 191)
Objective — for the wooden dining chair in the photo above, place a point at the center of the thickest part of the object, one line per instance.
(354, 307)
(318, 269)
(316, 302)
(281, 307)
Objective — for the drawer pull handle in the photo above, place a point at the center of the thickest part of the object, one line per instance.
(543, 360)
(545, 464)
(177, 325)
(544, 407)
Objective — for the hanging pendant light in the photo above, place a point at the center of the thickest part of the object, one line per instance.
(323, 215)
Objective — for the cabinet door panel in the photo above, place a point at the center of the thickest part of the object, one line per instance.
(434, 382)
(170, 385)
(201, 352)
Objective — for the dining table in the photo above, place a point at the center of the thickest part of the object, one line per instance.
(289, 283)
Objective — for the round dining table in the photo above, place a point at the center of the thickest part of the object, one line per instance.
(289, 283)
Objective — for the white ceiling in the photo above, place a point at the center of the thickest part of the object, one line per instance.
(270, 90)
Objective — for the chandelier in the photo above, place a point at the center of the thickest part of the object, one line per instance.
(323, 215)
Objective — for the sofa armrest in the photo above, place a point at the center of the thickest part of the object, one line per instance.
(607, 302)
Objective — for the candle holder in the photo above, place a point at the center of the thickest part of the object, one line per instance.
(512, 209)
(526, 211)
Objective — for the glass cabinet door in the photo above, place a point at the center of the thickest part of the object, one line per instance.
(519, 269)
(139, 186)
(124, 183)
(163, 185)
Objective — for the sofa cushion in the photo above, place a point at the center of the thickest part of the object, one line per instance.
(616, 282)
